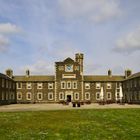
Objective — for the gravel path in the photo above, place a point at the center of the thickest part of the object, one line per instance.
(41, 107)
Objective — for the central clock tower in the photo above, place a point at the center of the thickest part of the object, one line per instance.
(69, 78)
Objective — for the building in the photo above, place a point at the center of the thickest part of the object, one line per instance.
(131, 88)
(69, 84)
(7, 89)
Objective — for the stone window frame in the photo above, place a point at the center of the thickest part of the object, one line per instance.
(76, 95)
(19, 83)
(28, 85)
(87, 85)
(74, 84)
(109, 85)
(97, 98)
(27, 97)
(61, 94)
(98, 87)
(50, 85)
(39, 85)
(63, 82)
(50, 94)
(87, 93)
(109, 98)
(69, 86)
(118, 84)
(18, 95)
(118, 95)
(38, 94)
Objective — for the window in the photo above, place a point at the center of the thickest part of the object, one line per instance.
(69, 85)
(108, 95)
(61, 96)
(10, 84)
(29, 85)
(135, 83)
(50, 96)
(118, 95)
(7, 83)
(7, 96)
(3, 82)
(50, 85)
(39, 85)
(98, 85)
(63, 85)
(19, 96)
(12, 95)
(39, 96)
(28, 96)
(74, 85)
(87, 85)
(97, 95)
(76, 96)
(19, 85)
(87, 96)
(108, 85)
(117, 85)
(3, 97)
(14, 85)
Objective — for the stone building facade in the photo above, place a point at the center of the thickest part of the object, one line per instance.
(69, 84)
(131, 88)
(7, 89)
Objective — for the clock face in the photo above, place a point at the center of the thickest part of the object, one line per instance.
(69, 68)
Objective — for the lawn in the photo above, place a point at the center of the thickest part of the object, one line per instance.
(95, 124)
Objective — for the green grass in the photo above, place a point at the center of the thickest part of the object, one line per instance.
(103, 124)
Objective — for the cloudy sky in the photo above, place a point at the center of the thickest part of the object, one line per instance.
(36, 33)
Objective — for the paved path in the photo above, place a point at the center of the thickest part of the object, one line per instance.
(41, 107)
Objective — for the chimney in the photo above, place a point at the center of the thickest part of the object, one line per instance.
(109, 73)
(128, 73)
(27, 73)
(9, 73)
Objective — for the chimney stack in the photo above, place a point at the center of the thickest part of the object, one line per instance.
(9, 73)
(27, 73)
(128, 72)
(109, 73)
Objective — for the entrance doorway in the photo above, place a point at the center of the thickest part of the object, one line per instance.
(68, 98)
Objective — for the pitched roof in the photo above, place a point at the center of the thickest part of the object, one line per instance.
(5, 76)
(103, 78)
(68, 60)
(133, 76)
(34, 78)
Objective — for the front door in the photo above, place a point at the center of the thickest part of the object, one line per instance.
(68, 98)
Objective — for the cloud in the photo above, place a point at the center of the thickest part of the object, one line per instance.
(63, 49)
(40, 67)
(7, 29)
(129, 43)
(4, 42)
(91, 10)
